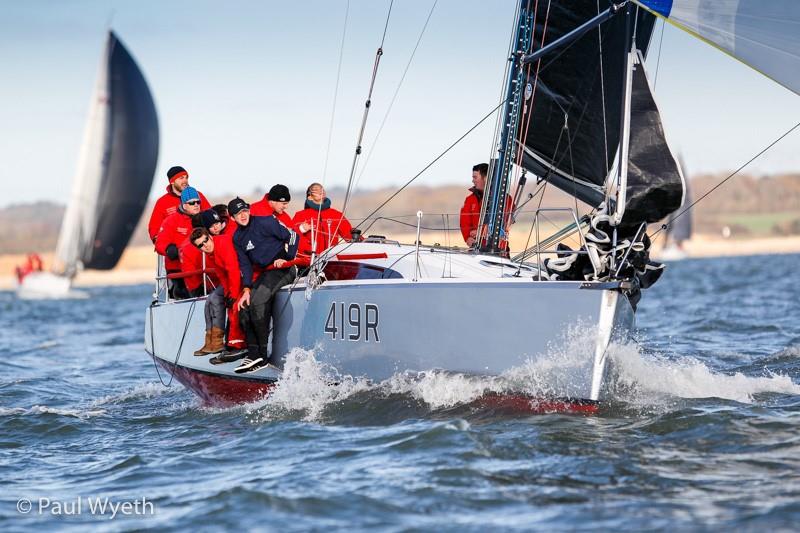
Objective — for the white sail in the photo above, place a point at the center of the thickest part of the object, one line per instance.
(78, 226)
(764, 34)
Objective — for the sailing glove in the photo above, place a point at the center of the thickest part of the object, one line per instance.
(172, 252)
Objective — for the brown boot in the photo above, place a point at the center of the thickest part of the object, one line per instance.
(217, 343)
(203, 350)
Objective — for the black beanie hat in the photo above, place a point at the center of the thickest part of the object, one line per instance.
(279, 193)
(236, 205)
(209, 217)
(174, 172)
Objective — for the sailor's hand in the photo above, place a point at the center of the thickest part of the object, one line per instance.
(470, 241)
(279, 263)
(244, 301)
(303, 227)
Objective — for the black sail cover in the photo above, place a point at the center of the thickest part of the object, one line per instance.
(132, 157)
(574, 130)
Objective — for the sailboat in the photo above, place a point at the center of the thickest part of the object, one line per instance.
(578, 114)
(113, 179)
(679, 230)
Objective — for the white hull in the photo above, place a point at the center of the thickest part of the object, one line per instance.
(487, 324)
(44, 285)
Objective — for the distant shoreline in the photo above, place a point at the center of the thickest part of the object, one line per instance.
(137, 265)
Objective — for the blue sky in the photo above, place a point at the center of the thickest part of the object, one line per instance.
(244, 91)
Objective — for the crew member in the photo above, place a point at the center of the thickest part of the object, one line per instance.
(220, 253)
(319, 224)
(169, 202)
(174, 230)
(192, 258)
(469, 219)
(263, 246)
(274, 203)
(222, 211)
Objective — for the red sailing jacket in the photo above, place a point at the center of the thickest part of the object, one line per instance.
(192, 260)
(326, 233)
(469, 220)
(230, 227)
(470, 213)
(175, 229)
(262, 208)
(226, 264)
(165, 206)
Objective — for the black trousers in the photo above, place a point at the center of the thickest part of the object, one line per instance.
(257, 317)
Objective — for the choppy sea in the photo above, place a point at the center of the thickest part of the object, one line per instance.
(702, 430)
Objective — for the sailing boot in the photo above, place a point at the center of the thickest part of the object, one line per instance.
(217, 343)
(203, 350)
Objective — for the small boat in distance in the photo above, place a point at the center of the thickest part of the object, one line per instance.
(115, 172)
(679, 228)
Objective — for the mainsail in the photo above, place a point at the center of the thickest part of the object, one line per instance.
(115, 169)
(574, 132)
(764, 34)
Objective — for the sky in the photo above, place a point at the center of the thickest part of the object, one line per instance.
(245, 89)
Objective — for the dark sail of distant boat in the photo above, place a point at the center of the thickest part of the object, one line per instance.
(116, 166)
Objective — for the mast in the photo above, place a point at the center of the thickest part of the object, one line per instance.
(494, 208)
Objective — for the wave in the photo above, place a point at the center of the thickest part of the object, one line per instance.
(639, 378)
(44, 409)
(146, 390)
(309, 387)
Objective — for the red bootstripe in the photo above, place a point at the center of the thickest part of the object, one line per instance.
(355, 257)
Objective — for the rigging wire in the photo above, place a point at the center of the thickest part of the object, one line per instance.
(394, 96)
(336, 92)
(429, 165)
(718, 185)
(658, 59)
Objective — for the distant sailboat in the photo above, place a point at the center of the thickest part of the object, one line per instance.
(113, 179)
(679, 228)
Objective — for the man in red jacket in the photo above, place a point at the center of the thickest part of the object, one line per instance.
(221, 254)
(274, 203)
(469, 219)
(319, 225)
(174, 230)
(192, 258)
(169, 202)
(471, 210)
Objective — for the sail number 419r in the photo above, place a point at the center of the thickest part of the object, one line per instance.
(352, 322)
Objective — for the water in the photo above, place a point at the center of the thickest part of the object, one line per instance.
(702, 432)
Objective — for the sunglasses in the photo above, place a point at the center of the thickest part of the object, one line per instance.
(202, 243)
(193, 202)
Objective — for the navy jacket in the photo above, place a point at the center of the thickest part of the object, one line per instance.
(260, 243)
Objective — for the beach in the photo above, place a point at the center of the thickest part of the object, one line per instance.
(137, 264)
